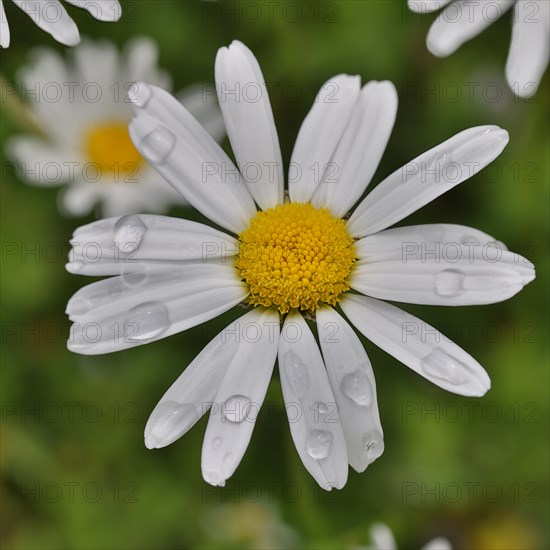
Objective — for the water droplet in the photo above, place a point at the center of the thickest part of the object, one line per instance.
(134, 280)
(116, 288)
(140, 94)
(323, 408)
(169, 421)
(440, 159)
(449, 282)
(157, 146)
(469, 239)
(440, 168)
(217, 442)
(373, 442)
(431, 234)
(440, 365)
(145, 322)
(297, 373)
(226, 460)
(192, 249)
(214, 478)
(357, 387)
(78, 306)
(318, 444)
(128, 233)
(76, 267)
(236, 408)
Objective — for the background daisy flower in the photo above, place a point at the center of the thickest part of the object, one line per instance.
(82, 108)
(382, 539)
(291, 258)
(52, 17)
(461, 21)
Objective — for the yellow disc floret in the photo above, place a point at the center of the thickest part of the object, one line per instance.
(295, 256)
(109, 147)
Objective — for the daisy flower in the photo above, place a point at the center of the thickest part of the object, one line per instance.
(82, 109)
(460, 21)
(291, 258)
(382, 539)
(52, 17)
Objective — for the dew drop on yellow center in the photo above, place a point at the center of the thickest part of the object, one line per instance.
(295, 256)
(109, 147)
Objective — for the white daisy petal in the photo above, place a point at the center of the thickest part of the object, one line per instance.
(193, 393)
(426, 178)
(426, 6)
(382, 537)
(360, 150)
(143, 242)
(320, 133)
(310, 404)
(78, 199)
(354, 387)
(417, 345)
(62, 121)
(140, 63)
(202, 103)
(108, 79)
(460, 22)
(530, 47)
(438, 543)
(454, 275)
(38, 162)
(183, 152)
(419, 241)
(103, 10)
(138, 308)
(51, 17)
(248, 117)
(240, 396)
(4, 28)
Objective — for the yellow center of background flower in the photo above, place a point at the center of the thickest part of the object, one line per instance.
(109, 147)
(295, 256)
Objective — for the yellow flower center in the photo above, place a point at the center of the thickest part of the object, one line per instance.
(109, 147)
(295, 256)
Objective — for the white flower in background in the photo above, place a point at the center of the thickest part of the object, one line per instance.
(461, 20)
(382, 539)
(247, 525)
(83, 110)
(290, 256)
(51, 16)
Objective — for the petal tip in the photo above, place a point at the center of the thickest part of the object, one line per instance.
(141, 94)
(213, 478)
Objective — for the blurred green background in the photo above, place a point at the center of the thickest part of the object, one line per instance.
(74, 470)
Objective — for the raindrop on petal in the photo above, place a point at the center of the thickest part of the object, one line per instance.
(373, 442)
(169, 420)
(434, 233)
(139, 94)
(157, 146)
(134, 280)
(76, 267)
(78, 306)
(440, 365)
(128, 233)
(357, 387)
(236, 408)
(449, 282)
(145, 322)
(297, 373)
(318, 444)
(469, 240)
